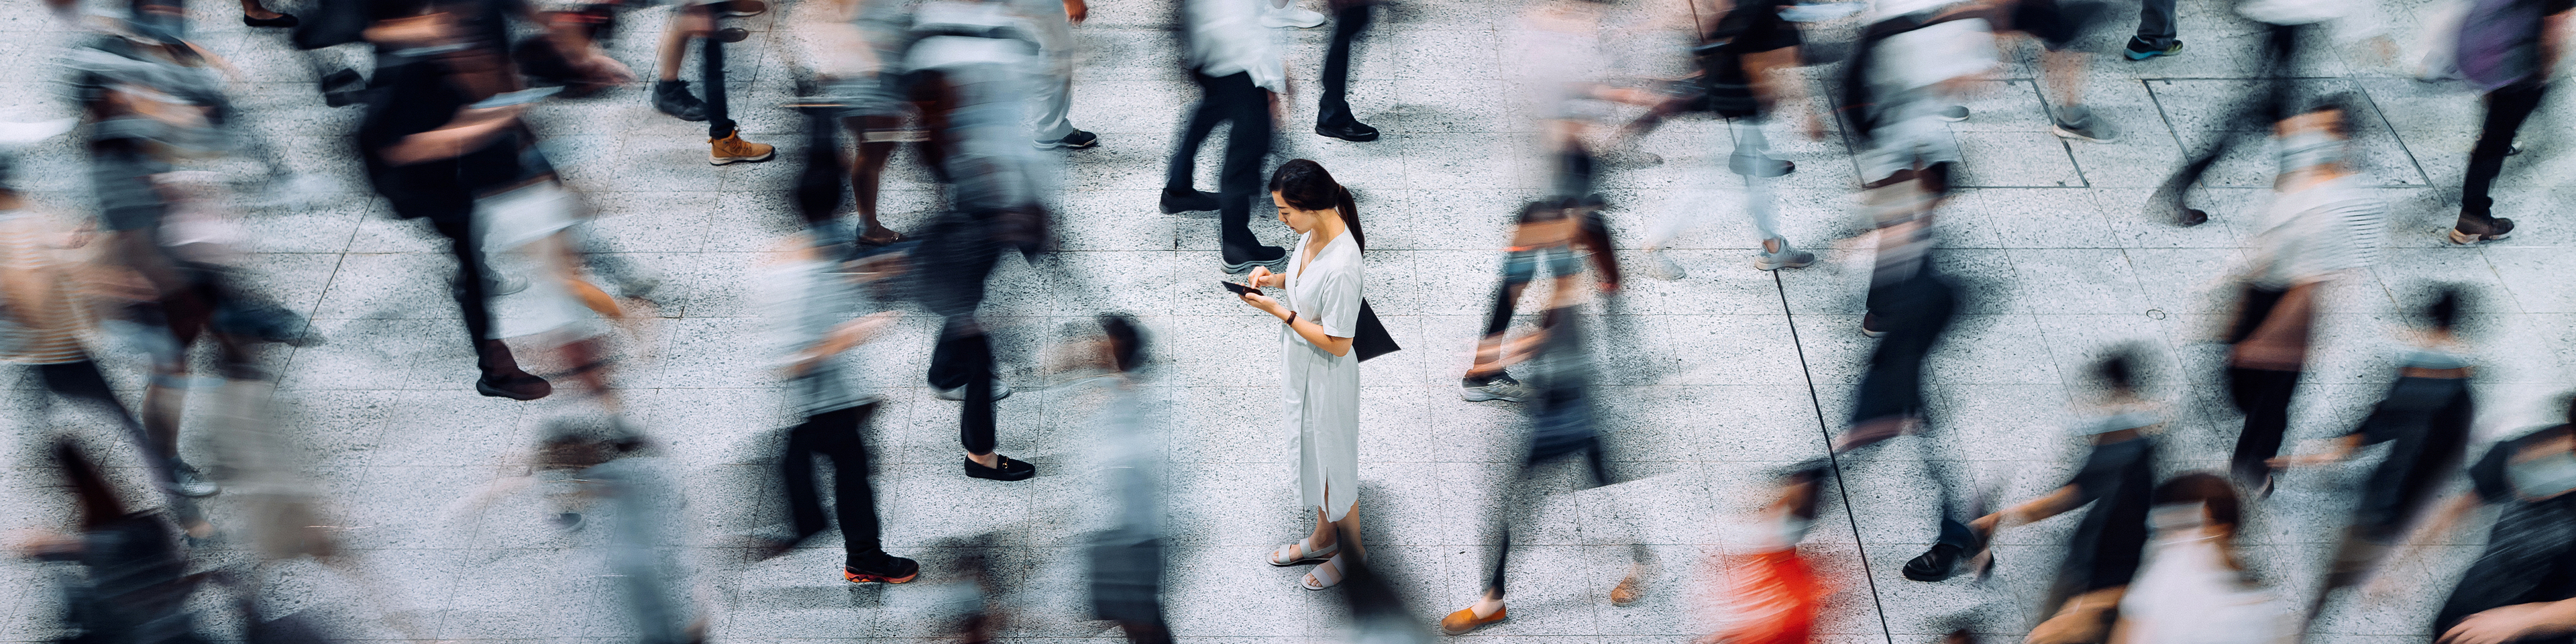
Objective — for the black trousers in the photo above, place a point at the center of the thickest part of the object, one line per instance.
(837, 435)
(964, 358)
(1522, 495)
(2263, 395)
(2507, 108)
(471, 277)
(711, 74)
(1227, 99)
(1914, 312)
(1348, 22)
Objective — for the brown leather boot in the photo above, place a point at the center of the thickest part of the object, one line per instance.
(732, 149)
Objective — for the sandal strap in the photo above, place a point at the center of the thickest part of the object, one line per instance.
(1318, 574)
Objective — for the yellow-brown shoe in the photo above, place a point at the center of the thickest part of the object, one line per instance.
(1459, 623)
(732, 149)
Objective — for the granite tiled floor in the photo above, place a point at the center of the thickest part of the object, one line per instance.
(1712, 382)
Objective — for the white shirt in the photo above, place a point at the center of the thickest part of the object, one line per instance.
(1226, 38)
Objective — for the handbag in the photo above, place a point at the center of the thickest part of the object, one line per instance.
(1373, 340)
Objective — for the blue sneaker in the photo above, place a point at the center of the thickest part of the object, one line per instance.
(2137, 54)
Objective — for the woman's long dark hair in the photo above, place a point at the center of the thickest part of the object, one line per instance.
(1305, 185)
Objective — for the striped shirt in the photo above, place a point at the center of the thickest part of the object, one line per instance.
(42, 326)
(2313, 233)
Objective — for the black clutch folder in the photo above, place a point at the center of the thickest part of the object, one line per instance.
(1372, 340)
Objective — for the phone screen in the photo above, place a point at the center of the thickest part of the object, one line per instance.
(1239, 289)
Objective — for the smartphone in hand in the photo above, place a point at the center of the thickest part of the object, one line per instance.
(1239, 289)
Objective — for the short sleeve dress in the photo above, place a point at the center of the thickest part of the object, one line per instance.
(1323, 390)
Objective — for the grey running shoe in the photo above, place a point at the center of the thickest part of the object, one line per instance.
(1497, 387)
(1786, 258)
(2080, 124)
(187, 481)
(1955, 114)
(1662, 267)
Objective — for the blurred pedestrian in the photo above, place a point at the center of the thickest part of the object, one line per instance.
(2507, 49)
(1051, 22)
(133, 584)
(1333, 117)
(2522, 588)
(1127, 558)
(432, 153)
(2425, 418)
(2287, 22)
(2194, 588)
(818, 315)
(2322, 225)
(1547, 234)
(699, 20)
(971, 60)
(1236, 65)
(1562, 427)
(1742, 57)
(2117, 481)
(1320, 318)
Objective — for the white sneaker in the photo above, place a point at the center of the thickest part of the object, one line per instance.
(1291, 16)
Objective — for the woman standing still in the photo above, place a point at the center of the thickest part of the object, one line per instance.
(1323, 376)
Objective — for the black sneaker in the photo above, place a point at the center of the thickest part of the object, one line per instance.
(1240, 261)
(1010, 470)
(880, 568)
(740, 8)
(1181, 200)
(1077, 140)
(672, 97)
(1347, 129)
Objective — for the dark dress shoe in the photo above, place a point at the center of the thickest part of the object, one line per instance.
(1938, 564)
(1181, 200)
(282, 20)
(518, 386)
(1010, 470)
(1347, 129)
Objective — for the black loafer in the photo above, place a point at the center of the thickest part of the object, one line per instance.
(1938, 564)
(1010, 470)
(1348, 130)
(520, 386)
(1180, 200)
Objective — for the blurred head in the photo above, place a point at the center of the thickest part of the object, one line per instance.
(2317, 138)
(1122, 343)
(2118, 372)
(1307, 195)
(2197, 501)
(2442, 313)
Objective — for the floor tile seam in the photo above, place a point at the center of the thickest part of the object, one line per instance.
(1815, 399)
(2366, 96)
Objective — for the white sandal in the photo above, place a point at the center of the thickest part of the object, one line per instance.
(1324, 576)
(1303, 552)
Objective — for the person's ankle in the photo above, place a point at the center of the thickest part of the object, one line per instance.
(988, 459)
(1485, 607)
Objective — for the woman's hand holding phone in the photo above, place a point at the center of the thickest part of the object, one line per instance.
(1261, 277)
